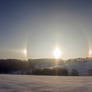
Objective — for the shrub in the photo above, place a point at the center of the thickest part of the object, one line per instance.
(90, 72)
(55, 71)
(74, 72)
(61, 71)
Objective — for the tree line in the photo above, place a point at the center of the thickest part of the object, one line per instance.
(14, 66)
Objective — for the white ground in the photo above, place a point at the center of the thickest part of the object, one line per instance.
(28, 83)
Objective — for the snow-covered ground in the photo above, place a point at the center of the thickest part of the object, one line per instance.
(28, 83)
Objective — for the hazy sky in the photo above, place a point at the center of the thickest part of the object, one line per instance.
(42, 25)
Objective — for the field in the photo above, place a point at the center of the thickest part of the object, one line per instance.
(28, 83)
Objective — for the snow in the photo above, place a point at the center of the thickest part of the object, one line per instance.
(81, 67)
(29, 83)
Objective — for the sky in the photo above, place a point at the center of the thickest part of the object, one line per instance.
(40, 26)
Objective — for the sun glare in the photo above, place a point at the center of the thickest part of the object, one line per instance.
(57, 53)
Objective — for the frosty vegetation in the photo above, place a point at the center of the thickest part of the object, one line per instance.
(71, 67)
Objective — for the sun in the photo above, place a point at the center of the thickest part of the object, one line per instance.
(57, 53)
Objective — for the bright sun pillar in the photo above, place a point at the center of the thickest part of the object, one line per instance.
(25, 52)
(90, 53)
(57, 53)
